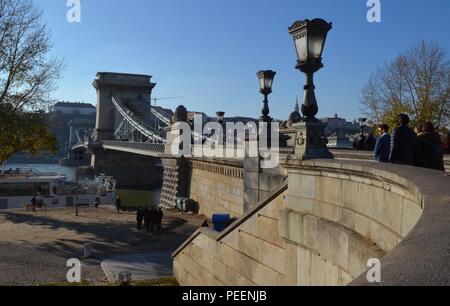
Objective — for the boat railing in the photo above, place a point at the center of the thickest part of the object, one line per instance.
(23, 172)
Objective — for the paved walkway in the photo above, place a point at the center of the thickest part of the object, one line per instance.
(141, 266)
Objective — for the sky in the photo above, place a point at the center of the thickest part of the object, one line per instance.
(208, 51)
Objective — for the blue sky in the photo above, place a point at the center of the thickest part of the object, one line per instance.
(210, 50)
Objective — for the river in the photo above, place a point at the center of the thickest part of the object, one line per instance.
(131, 198)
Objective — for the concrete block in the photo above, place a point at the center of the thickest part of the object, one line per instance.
(268, 231)
(251, 180)
(382, 237)
(349, 194)
(251, 195)
(310, 231)
(329, 190)
(251, 164)
(327, 211)
(302, 186)
(290, 266)
(250, 246)
(303, 267)
(273, 257)
(362, 226)
(364, 203)
(302, 205)
(393, 214)
(347, 218)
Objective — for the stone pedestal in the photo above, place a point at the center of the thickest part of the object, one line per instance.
(175, 181)
(310, 141)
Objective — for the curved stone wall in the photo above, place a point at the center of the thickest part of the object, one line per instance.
(217, 186)
(323, 227)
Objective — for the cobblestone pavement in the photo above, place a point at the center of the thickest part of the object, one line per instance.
(34, 247)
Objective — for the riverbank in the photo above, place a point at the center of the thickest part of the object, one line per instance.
(35, 247)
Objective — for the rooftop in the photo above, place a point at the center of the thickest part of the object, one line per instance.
(74, 105)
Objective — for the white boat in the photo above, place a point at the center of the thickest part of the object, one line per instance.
(18, 186)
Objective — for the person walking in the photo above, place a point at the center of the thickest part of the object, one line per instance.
(33, 203)
(431, 151)
(139, 218)
(153, 214)
(118, 205)
(383, 145)
(159, 218)
(404, 144)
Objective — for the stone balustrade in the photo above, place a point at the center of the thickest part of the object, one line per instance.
(323, 226)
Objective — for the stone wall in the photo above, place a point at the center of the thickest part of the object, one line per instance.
(217, 187)
(321, 229)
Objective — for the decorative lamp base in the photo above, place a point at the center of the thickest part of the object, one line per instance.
(310, 141)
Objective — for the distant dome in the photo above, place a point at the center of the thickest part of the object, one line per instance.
(294, 117)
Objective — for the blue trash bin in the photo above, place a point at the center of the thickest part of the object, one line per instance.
(220, 221)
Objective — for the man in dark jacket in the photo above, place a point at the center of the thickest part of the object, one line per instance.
(383, 145)
(431, 154)
(404, 144)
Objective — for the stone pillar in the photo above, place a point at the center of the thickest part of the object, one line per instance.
(132, 89)
(175, 178)
(310, 141)
(175, 181)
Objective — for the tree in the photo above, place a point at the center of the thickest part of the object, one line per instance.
(417, 83)
(27, 77)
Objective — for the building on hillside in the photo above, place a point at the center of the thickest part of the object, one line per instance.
(74, 108)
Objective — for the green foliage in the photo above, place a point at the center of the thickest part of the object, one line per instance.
(27, 132)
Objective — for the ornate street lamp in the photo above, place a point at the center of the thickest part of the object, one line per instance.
(220, 117)
(362, 124)
(265, 82)
(309, 38)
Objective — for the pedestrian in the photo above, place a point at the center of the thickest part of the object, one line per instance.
(404, 144)
(153, 217)
(431, 152)
(33, 203)
(159, 218)
(139, 218)
(369, 144)
(118, 205)
(146, 214)
(383, 145)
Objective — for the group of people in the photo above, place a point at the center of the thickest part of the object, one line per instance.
(152, 218)
(406, 147)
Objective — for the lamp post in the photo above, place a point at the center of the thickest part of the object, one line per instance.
(362, 124)
(265, 83)
(309, 38)
(220, 117)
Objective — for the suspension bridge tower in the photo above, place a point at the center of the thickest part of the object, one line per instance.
(133, 90)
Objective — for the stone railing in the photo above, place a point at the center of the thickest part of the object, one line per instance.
(333, 217)
(350, 154)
